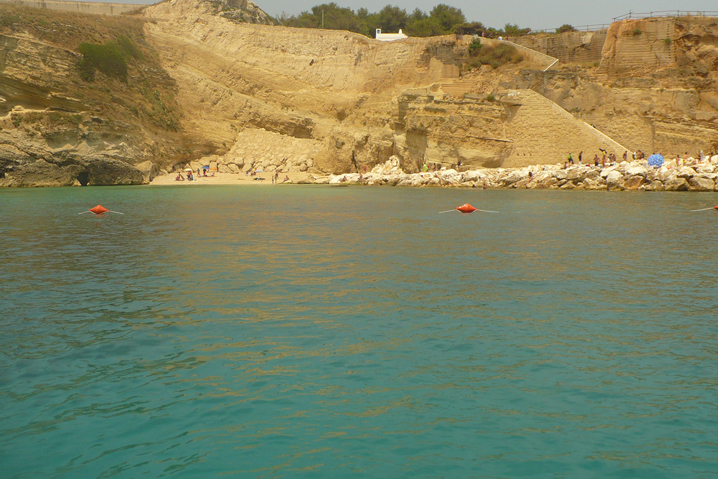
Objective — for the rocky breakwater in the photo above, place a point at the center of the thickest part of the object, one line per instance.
(674, 175)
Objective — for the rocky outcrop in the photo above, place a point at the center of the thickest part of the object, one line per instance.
(638, 47)
(658, 116)
(241, 11)
(434, 129)
(635, 175)
(568, 47)
(57, 129)
(335, 88)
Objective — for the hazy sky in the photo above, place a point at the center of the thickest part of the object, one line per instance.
(538, 14)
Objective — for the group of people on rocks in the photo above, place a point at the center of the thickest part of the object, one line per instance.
(606, 160)
(609, 159)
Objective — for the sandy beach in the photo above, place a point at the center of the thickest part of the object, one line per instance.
(235, 179)
(686, 174)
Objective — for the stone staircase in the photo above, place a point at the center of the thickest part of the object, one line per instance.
(542, 132)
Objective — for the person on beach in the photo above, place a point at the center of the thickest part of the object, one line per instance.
(179, 177)
(570, 160)
(580, 157)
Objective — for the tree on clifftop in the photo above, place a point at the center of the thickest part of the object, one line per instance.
(391, 19)
(440, 21)
(565, 28)
(447, 16)
(515, 30)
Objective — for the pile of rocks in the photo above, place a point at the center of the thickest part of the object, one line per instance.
(239, 165)
(674, 175)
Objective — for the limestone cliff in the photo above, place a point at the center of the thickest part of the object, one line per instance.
(217, 80)
(656, 88)
(333, 88)
(57, 129)
(568, 47)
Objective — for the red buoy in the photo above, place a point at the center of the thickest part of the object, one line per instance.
(99, 209)
(715, 207)
(466, 208)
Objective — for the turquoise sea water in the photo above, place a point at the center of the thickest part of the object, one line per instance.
(354, 332)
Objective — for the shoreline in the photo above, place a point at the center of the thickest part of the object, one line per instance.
(636, 175)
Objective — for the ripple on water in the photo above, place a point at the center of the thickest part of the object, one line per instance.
(353, 332)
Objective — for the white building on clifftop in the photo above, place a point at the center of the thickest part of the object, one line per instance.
(389, 37)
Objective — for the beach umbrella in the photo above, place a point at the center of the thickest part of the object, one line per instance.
(655, 160)
(205, 167)
(188, 169)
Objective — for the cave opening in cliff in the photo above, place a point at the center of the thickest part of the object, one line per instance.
(84, 178)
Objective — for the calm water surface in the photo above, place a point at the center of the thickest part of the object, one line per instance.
(326, 332)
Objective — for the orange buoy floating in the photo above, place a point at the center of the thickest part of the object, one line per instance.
(99, 209)
(467, 208)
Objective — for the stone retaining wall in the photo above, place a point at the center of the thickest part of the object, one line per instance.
(95, 8)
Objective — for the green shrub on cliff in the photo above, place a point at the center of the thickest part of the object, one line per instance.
(494, 55)
(8, 19)
(475, 47)
(129, 47)
(108, 59)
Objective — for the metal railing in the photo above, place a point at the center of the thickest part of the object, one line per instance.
(667, 13)
(628, 16)
(596, 27)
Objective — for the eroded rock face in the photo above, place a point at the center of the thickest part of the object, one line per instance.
(88, 171)
(58, 129)
(36, 154)
(332, 87)
(242, 11)
(461, 131)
